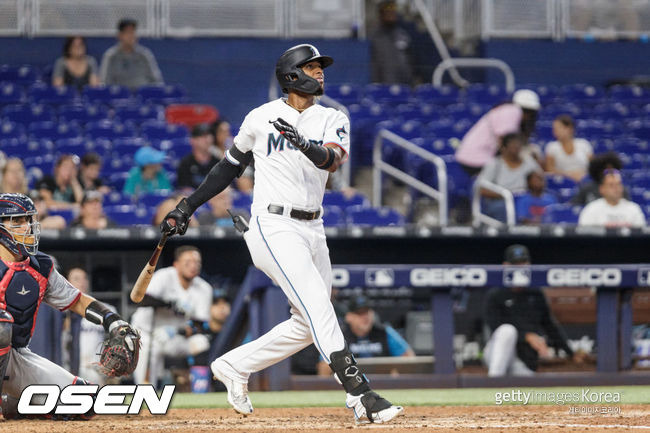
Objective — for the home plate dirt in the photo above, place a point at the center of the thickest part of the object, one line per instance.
(484, 419)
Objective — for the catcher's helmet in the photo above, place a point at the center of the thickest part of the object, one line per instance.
(19, 205)
(289, 74)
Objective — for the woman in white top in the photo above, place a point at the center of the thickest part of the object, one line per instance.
(568, 156)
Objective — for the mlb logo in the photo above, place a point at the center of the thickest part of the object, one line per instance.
(516, 277)
(643, 277)
(380, 277)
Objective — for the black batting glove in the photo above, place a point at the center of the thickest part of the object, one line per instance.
(177, 220)
(290, 133)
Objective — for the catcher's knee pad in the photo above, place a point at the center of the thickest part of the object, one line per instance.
(348, 374)
(6, 323)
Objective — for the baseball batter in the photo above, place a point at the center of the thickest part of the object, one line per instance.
(296, 143)
(27, 278)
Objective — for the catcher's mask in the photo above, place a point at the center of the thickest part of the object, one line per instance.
(290, 75)
(21, 238)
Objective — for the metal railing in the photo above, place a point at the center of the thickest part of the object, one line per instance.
(467, 62)
(380, 167)
(478, 218)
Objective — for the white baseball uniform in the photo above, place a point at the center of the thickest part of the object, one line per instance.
(292, 252)
(162, 324)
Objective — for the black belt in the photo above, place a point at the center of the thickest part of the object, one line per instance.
(295, 213)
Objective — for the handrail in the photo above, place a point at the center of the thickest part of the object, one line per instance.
(380, 166)
(439, 42)
(479, 217)
(471, 62)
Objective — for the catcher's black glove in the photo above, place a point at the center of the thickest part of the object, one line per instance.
(290, 133)
(120, 350)
(177, 220)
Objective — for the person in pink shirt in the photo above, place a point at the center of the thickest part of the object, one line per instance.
(481, 142)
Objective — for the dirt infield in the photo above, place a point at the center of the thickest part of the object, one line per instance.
(486, 419)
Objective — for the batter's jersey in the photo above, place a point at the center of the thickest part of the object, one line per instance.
(283, 174)
(196, 299)
(24, 285)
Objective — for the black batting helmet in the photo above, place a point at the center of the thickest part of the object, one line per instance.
(289, 74)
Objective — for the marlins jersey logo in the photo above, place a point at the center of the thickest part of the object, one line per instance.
(341, 132)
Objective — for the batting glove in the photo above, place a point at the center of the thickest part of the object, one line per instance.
(290, 133)
(177, 220)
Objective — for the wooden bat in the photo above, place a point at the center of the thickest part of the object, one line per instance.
(141, 284)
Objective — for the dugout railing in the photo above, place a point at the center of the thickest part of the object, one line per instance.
(264, 306)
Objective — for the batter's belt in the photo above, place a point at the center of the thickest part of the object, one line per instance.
(295, 213)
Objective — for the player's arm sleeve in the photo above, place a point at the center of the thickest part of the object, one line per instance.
(60, 293)
(337, 134)
(397, 345)
(552, 329)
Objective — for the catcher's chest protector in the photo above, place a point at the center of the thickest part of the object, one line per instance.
(22, 287)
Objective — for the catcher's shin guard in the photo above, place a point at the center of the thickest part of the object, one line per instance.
(347, 373)
(6, 323)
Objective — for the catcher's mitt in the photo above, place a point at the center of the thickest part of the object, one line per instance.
(120, 350)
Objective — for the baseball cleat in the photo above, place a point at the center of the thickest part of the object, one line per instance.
(237, 392)
(381, 410)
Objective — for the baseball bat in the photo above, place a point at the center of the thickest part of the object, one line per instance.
(141, 284)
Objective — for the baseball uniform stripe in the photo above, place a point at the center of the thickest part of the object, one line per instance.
(230, 159)
(313, 330)
(345, 153)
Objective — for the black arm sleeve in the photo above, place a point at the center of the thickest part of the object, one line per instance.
(322, 157)
(557, 337)
(219, 177)
(151, 301)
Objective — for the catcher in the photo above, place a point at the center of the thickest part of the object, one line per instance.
(27, 278)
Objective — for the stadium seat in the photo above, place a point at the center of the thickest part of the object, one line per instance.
(337, 198)
(428, 94)
(45, 163)
(118, 178)
(109, 129)
(153, 199)
(365, 216)
(76, 146)
(333, 216)
(44, 94)
(67, 214)
(116, 198)
(191, 114)
(629, 94)
(242, 201)
(22, 75)
(582, 93)
(346, 94)
(129, 215)
(127, 146)
(483, 94)
(561, 213)
(387, 93)
(82, 113)
(110, 95)
(28, 113)
(11, 130)
(53, 131)
(159, 130)
(165, 95)
(11, 93)
(139, 113)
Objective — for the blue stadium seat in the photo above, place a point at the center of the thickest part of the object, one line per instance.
(160, 130)
(484, 94)
(346, 94)
(11, 93)
(387, 93)
(16, 147)
(383, 216)
(44, 162)
(53, 131)
(153, 199)
(109, 129)
(11, 130)
(67, 214)
(22, 75)
(556, 181)
(127, 146)
(337, 198)
(139, 113)
(76, 146)
(116, 198)
(333, 216)
(241, 200)
(43, 94)
(548, 94)
(175, 148)
(629, 94)
(28, 113)
(635, 161)
(110, 95)
(82, 113)
(429, 94)
(128, 215)
(165, 95)
(582, 93)
(117, 179)
(561, 213)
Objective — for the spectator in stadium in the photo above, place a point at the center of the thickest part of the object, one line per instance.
(14, 178)
(366, 336)
(53, 222)
(481, 143)
(76, 68)
(128, 63)
(165, 207)
(149, 175)
(612, 210)
(195, 166)
(589, 188)
(568, 156)
(221, 141)
(509, 170)
(92, 216)
(531, 206)
(62, 190)
(390, 48)
(89, 169)
(175, 295)
(521, 324)
(218, 215)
